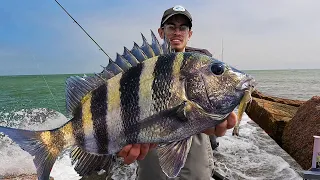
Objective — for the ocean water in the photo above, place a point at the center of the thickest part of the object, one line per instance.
(38, 102)
(292, 84)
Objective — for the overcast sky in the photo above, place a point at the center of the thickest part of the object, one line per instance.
(37, 37)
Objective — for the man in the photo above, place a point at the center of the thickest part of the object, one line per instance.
(176, 26)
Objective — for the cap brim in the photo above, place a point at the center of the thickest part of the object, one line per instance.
(175, 14)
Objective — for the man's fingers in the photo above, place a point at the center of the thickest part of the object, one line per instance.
(210, 131)
(221, 129)
(133, 154)
(143, 151)
(125, 150)
(231, 120)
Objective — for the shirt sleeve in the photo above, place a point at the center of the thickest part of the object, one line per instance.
(203, 51)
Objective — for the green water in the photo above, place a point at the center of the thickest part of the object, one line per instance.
(32, 91)
(48, 91)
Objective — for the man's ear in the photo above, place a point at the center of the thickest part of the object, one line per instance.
(190, 34)
(161, 33)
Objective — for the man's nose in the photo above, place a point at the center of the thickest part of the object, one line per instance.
(177, 30)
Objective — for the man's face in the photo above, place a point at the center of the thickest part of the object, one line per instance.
(177, 32)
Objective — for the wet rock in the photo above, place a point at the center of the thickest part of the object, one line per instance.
(299, 132)
(96, 176)
(22, 177)
(291, 102)
(272, 113)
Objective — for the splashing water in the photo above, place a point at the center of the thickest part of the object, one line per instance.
(14, 160)
(253, 155)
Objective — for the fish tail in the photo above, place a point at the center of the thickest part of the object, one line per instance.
(36, 143)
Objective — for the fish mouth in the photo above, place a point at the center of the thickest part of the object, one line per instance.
(247, 83)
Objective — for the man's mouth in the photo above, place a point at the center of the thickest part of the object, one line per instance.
(175, 40)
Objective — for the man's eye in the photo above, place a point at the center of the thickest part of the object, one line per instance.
(171, 27)
(184, 28)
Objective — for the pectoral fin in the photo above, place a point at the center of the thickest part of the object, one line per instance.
(172, 157)
(182, 111)
(177, 111)
(190, 110)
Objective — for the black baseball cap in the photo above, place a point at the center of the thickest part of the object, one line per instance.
(173, 11)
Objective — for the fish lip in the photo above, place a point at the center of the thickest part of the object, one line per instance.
(246, 83)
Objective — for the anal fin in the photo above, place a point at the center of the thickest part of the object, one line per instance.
(86, 163)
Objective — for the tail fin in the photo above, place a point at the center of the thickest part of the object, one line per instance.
(31, 142)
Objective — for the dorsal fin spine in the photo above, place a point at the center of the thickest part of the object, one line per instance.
(138, 53)
(156, 45)
(146, 47)
(129, 57)
(122, 62)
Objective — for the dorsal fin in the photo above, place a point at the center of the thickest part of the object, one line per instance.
(166, 46)
(77, 87)
(113, 67)
(130, 57)
(122, 62)
(111, 70)
(138, 52)
(156, 45)
(147, 49)
(106, 74)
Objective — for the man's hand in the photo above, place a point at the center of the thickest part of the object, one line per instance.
(133, 152)
(221, 129)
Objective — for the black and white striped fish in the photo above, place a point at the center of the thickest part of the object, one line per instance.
(144, 96)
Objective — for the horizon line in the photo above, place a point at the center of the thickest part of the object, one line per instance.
(75, 73)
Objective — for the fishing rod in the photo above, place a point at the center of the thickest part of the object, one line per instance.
(100, 48)
(47, 85)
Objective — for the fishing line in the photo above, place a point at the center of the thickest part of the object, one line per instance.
(100, 48)
(47, 86)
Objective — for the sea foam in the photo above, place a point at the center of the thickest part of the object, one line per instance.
(253, 155)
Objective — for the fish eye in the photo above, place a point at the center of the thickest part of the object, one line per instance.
(217, 68)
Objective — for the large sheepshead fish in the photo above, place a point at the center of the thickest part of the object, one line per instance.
(144, 96)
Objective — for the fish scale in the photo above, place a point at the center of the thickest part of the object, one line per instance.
(99, 114)
(129, 96)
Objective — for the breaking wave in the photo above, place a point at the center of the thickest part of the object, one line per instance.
(252, 156)
(15, 161)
